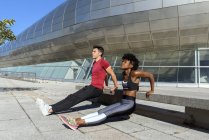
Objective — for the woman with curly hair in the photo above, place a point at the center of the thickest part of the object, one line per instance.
(130, 83)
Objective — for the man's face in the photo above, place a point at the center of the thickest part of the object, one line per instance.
(96, 53)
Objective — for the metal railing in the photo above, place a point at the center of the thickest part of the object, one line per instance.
(27, 76)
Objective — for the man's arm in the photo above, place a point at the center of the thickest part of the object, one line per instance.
(106, 80)
(113, 76)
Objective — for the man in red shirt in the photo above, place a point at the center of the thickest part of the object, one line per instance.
(95, 89)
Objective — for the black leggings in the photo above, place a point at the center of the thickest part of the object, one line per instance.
(88, 92)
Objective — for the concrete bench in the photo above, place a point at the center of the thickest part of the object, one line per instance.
(196, 103)
(195, 107)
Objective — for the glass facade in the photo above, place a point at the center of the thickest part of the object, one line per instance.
(176, 68)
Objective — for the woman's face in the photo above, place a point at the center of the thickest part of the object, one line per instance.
(126, 64)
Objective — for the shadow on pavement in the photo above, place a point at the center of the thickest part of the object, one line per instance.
(2, 89)
(170, 116)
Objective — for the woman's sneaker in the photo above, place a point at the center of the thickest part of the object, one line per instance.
(70, 122)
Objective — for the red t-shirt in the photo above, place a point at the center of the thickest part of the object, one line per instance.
(99, 73)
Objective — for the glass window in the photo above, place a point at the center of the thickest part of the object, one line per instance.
(204, 74)
(152, 70)
(71, 73)
(85, 72)
(39, 71)
(69, 16)
(187, 58)
(82, 18)
(127, 8)
(43, 72)
(100, 4)
(167, 74)
(152, 59)
(82, 3)
(204, 62)
(49, 72)
(120, 2)
(118, 73)
(59, 73)
(119, 60)
(110, 59)
(169, 58)
(168, 3)
(147, 5)
(186, 75)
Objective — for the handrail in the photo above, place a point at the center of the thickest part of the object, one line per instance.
(28, 76)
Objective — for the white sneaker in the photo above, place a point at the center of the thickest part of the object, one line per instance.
(43, 107)
(39, 101)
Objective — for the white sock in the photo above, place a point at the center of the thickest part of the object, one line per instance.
(96, 119)
(90, 115)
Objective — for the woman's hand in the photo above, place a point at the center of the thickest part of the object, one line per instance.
(149, 93)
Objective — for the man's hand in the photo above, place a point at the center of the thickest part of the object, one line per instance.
(149, 93)
(113, 90)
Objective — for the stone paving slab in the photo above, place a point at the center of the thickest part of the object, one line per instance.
(11, 125)
(100, 127)
(127, 126)
(12, 115)
(21, 134)
(193, 135)
(109, 134)
(46, 124)
(151, 134)
(64, 135)
(157, 125)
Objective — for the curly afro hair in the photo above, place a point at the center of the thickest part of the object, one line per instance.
(133, 60)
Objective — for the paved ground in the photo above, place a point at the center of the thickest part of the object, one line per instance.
(21, 119)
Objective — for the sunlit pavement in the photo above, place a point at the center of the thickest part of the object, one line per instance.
(21, 119)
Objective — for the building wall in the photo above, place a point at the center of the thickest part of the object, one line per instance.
(69, 31)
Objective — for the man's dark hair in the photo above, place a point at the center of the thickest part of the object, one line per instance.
(100, 48)
(133, 60)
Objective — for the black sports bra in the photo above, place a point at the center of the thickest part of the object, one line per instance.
(129, 85)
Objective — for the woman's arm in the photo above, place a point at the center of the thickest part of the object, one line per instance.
(148, 75)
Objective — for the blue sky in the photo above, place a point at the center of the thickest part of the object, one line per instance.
(26, 12)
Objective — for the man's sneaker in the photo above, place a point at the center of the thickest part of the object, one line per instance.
(43, 107)
(39, 101)
(70, 122)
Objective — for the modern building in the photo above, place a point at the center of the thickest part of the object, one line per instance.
(170, 37)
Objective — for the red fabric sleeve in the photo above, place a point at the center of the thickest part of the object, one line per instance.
(105, 64)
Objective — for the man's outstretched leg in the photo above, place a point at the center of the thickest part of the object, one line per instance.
(83, 94)
(100, 68)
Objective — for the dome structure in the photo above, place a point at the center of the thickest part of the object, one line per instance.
(70, 30)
